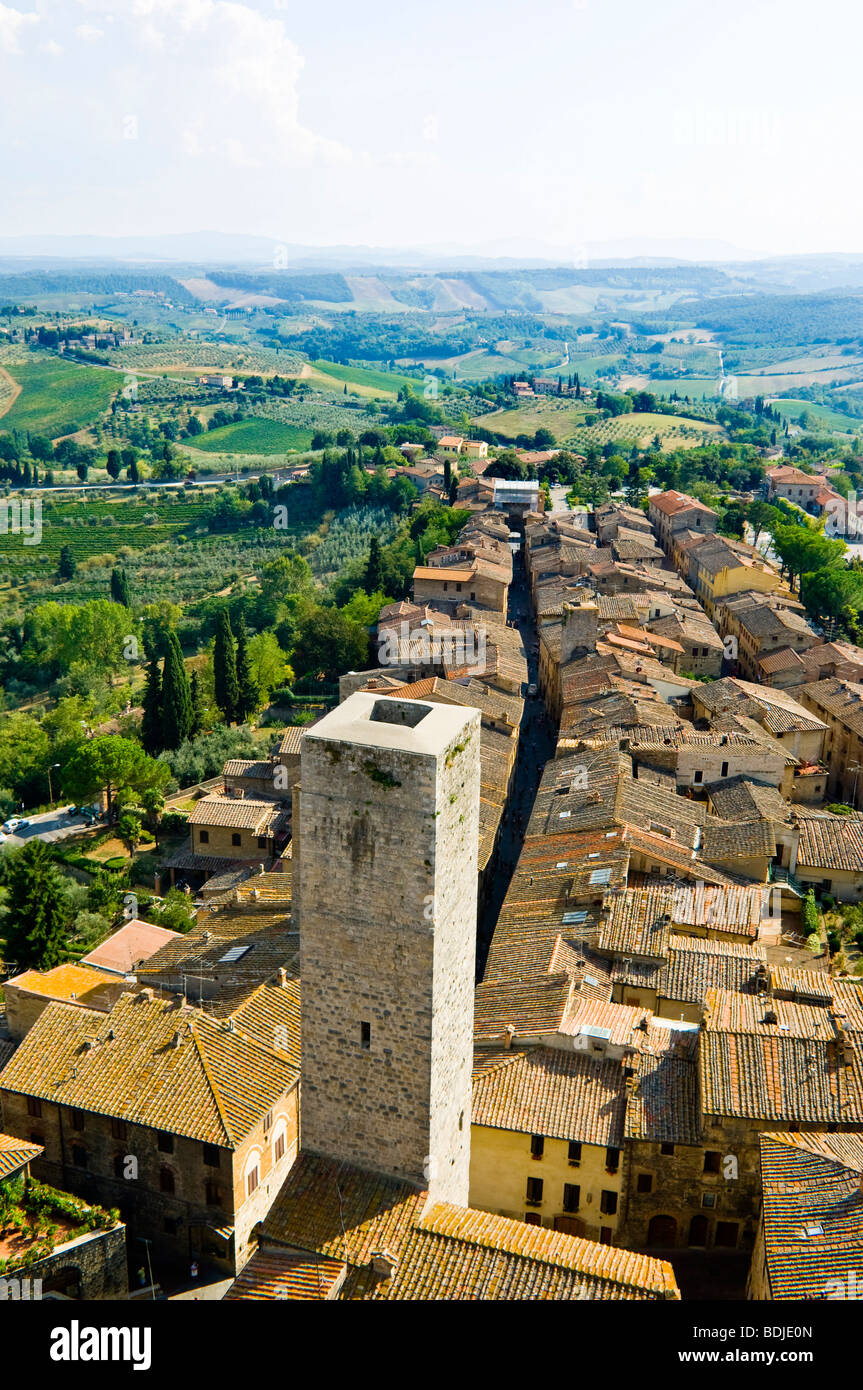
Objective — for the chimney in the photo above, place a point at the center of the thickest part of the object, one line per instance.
(510, 1035)
(282, 977)
(383, 1263)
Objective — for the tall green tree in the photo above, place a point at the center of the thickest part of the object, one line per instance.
(197, 705)
(114, 765)
(177, 716)
(66, 563)
(151, 720)
(373, 580)
(225, 668)
(120, 589)
(248, 690)
(38, 910)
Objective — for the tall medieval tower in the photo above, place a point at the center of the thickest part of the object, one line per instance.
(388, 813)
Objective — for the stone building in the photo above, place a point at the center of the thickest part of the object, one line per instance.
(387, 878)
(188, 1124)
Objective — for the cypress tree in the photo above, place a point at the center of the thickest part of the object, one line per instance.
(373, 582)
(197, 705)
(66, 564)
(120, 590)
(248, 693)
(225, 669)
(151, 721)
(176, 697)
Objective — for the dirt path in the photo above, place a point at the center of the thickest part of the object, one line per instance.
(6, 406)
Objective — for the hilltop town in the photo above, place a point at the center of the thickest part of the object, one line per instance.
(526, 967)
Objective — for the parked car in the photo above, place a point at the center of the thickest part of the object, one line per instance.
(11, 825)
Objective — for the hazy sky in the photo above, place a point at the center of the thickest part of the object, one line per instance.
(461, 121)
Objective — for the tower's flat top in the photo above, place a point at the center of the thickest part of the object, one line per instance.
(376, 721)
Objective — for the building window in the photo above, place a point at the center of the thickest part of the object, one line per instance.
(79, 1156)
(165, 1142)
(34, 1106)
(532, 1218)
(365, 1036)
(118, 1128)
(698, 775)
(262, 842)
(708, 1199)
(204, 837)
(571, 1196)
(712, 1161)
(279, 1148)
(268, 1120)
(166, 1181)
(605, 1235)
(252, 1181)
(667, 1149)
(214, 1194)
(574, 1152)
(119, 1165)
(612, 1160)
(644, 1182)
(537, 1146)
(534, 1192)
(211, 1156)
(77, 1119)
(37, 1139)
(608, 1203)
(724, 771)
(171, 1225)
(236, 839)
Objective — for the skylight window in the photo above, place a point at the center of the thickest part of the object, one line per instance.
(235, 953)
(600, 876)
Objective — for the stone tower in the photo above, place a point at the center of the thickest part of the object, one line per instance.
(387, 886)
(579, 630)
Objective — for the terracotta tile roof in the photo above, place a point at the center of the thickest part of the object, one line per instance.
(791, 1070)
(239, 813)
(134, 942)
(562, 1095)
(625, 1023)
(637, 923)
(15, 1154)
(441, 1252)
(663, 1106)
(229, 953)
(151, 1063)
(696, 965)
(342, 1212)
(672, 502)
(812, 1209)
(533, 1007)
(285, 1274)
(739, 799)
(271, 1015)
(830, 842)
(73, 984)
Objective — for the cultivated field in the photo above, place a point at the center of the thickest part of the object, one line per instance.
(57, 397)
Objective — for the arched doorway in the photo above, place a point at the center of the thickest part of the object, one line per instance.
(65, 1282)
(662, 1231)
(698, 1231)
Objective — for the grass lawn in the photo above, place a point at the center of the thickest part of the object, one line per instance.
(254, 436)
(59, 397)
(830, 419)
(375, 383)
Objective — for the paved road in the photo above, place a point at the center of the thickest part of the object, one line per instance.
(535, 747)
(49, 826)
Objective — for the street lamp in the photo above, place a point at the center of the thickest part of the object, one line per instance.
(50, 788)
